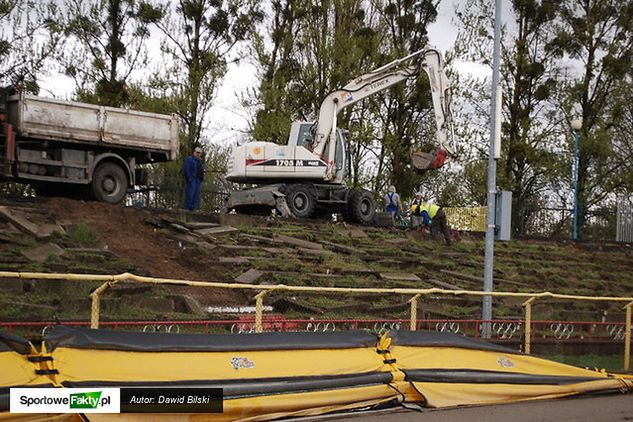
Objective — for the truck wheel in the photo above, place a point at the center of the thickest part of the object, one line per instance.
(109, 183)
(362, 207)
(300, 200)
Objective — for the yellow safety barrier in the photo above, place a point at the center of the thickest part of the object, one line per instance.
(467, 218)
(110, 280)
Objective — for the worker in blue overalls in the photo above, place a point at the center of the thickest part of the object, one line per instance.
(194, 175)
(394, 206)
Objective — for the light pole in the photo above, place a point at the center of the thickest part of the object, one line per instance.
(495, 129)
(576, 125)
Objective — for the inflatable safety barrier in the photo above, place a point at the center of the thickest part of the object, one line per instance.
(452, 370)
(273, 375)
(20, 366)
(268, 373)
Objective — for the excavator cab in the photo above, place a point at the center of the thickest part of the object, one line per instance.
(433, 160)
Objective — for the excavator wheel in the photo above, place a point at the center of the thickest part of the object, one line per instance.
(361, 207)
(301, 200)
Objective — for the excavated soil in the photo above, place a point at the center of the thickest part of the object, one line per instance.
(126, 232)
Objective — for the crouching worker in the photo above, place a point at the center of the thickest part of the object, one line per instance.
(435, 217)
(429, 215)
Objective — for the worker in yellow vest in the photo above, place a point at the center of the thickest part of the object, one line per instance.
(432, 215)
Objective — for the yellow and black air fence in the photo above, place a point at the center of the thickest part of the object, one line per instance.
(467, 218)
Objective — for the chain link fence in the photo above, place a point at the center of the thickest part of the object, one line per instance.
(556, 223)
(624, 219)
(165, 189)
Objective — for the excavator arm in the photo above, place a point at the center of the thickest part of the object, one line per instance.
(428, 60)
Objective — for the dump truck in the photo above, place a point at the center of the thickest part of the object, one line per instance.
(60, 146)
(306, 177)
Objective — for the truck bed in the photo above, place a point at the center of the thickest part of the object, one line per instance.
(58, 120)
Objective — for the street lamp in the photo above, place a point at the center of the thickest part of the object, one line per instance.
(576, 125)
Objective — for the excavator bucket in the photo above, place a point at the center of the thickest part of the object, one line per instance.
(428, 160)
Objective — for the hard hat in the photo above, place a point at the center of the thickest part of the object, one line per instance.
(392, 188)
(418, 194)
(198, 149)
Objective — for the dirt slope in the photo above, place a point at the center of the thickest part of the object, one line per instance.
(126, 233)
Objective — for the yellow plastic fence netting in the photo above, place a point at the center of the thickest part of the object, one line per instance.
(272, 375)
(470, 219)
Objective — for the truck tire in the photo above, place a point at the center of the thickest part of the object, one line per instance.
(300, 200)
(109, 183)
(361, 207)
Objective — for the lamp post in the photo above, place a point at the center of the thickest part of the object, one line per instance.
(495, 133)
(576, 125)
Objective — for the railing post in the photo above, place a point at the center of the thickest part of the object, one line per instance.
(96, 303)
(259, 310)
(414, 311)
(627, 337)
(528, 325)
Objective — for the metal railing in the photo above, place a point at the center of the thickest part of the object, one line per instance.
(263, 290)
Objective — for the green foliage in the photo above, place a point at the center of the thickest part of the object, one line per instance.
(29, 36)
(529, 77)
(52, 258)
(599, 35)
(198, 38)
(316, 48)
(109, 44)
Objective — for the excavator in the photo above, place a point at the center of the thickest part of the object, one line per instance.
(305, 178)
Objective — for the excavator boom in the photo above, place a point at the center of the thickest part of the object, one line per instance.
(428, 60)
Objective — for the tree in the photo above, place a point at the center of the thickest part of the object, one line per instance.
(531, 73)
(200, 37)
(275, 99)
(404, 109)
(108, 45)
(29, 36)
(304, 51)
(597, 36)
(529, 76)
(621, 162)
